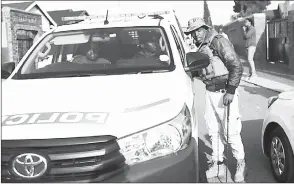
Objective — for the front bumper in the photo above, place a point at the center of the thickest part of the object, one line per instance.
(181, 167)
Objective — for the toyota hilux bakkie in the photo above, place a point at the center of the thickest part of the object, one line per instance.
(102, 102)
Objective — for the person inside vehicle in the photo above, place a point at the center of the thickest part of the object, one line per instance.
(149, 54)
(148, 50)
(91, 56)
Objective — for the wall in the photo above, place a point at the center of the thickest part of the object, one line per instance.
(17, 20)
(4, 44)
(234, 32)
(45, 21)
(291, 39)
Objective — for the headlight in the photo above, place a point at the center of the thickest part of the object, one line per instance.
(271, 100)
(158, 141)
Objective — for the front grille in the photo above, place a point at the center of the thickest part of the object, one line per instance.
(71, 159)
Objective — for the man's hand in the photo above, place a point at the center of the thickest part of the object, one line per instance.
(228, 98)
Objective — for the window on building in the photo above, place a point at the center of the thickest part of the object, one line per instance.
(272, 30)
(280, 32)
(292, 32)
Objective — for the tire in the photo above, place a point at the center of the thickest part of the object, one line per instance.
(287, 175)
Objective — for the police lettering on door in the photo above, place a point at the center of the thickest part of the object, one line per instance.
(55, 117)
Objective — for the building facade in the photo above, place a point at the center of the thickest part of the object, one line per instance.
(19, 31)
(274, 37)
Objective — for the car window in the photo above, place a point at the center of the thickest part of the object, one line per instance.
(100, 51)
(180, 27)
(180, 46)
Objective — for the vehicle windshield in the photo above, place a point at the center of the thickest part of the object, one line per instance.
(99, 52)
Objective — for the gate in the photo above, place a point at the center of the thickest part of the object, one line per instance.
(278, 41)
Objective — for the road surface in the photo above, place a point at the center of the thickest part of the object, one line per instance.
(253, 106)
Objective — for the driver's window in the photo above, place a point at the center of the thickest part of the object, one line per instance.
(179, 46)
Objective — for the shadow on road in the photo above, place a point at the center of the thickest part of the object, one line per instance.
(202, 149)
(259, 91)
(203, 163)
(256, 161)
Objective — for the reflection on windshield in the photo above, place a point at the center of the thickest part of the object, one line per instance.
(112, 50)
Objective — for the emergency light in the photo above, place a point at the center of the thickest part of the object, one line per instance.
(124, 15)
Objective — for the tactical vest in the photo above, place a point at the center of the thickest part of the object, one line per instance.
(216, 68)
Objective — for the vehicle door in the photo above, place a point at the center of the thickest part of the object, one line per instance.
(189, 80)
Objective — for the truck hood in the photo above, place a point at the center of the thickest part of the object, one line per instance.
(287, 95)
(131, 103)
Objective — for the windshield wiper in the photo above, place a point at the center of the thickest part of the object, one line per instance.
(79, 75)
(153, 71)
(108, 73)
(138, 72)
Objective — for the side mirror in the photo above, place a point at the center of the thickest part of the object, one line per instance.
(7, 69)
(196, 61)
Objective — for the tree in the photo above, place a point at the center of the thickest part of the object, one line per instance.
(206, 15)
(237, 7)
(217, 27)
(246, 8)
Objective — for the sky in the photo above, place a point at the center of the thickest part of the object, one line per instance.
(220, 11)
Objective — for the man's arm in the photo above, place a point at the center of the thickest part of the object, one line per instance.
(228, 55)
(249, 33)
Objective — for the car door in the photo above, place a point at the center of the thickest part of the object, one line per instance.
(188, 79)
(190, 100)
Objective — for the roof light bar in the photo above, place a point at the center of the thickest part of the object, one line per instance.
(124, 15)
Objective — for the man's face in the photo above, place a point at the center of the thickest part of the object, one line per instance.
(150, 46)
(92, 55)
(199, 34)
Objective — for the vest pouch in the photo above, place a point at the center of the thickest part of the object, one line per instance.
(208, 72)
(216, 68)
(219, 67)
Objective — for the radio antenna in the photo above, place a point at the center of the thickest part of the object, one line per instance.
(106, 21)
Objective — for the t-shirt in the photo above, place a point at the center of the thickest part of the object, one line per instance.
(250, 37)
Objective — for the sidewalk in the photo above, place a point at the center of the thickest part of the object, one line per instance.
(276, 81)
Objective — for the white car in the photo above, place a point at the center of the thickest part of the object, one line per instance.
(95, 102)
(278, 136)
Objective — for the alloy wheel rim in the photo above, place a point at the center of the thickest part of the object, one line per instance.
(278, 156)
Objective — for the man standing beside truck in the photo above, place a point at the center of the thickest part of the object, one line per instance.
(222, 79)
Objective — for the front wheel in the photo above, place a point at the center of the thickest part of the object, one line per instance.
(281, 156)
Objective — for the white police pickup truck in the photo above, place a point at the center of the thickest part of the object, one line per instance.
(102, 102)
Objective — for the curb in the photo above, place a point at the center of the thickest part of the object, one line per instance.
(287, 76)
(275, 90)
